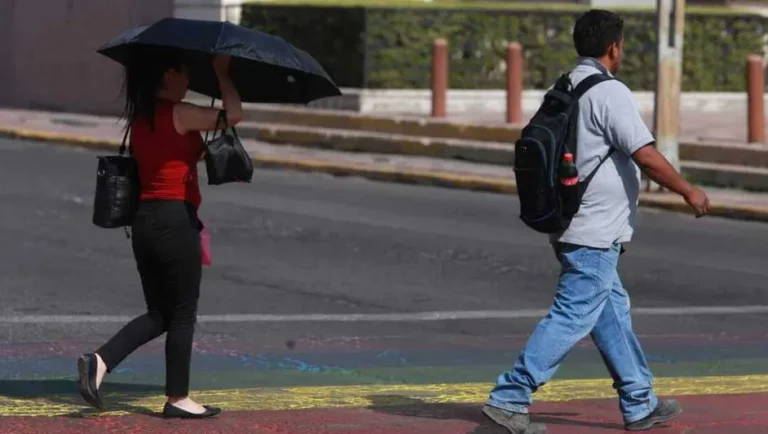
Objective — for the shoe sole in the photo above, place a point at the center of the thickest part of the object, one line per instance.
(656, 421)
(532, 428)
(496, 421)
(208, 414)
(85, 388)
(200, 416)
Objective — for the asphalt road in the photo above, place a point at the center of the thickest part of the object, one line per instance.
(294, 243)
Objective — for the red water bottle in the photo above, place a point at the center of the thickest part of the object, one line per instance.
(569, 175)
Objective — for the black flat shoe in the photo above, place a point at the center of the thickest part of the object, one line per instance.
(86, 368)
(171, 411)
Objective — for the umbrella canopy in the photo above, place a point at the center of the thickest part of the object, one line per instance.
(264, 67)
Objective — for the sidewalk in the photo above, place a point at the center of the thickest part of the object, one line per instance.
(106, 133)
(725, 128)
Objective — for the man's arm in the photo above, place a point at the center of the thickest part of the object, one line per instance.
(653, 164)
(626, 130)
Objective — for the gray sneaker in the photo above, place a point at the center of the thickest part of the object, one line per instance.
(515, 423)
(664, 412)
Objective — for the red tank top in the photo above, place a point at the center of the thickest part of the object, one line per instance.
(167, 160)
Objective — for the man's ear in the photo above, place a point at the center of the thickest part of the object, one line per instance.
(614, 51)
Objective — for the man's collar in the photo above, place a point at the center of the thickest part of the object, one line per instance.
(594, 63)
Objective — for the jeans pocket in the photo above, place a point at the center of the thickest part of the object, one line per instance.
(571, 256)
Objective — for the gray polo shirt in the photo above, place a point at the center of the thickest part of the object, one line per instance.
(608, 117)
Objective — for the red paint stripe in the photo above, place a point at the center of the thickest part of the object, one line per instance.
(738, 414)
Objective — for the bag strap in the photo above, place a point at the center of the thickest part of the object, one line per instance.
(205, 142)
(221, 117)
(123, 146)
(121, 151)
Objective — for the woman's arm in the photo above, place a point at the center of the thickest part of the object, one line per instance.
(189, 117)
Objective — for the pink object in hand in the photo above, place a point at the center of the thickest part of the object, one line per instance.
(205, 246)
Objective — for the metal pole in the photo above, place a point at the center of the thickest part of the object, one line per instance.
(514, 83)
(669, 60)
(439, 77)
(755, 99)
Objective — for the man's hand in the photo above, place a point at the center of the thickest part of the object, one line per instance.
(698, 200)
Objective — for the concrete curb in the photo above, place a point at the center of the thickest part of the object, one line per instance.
(476, 150)
(463, 146)
(281, 120)
(728, 166)
(408, 176)
(381, 143)
(403, 125)
(69, 139)
(734, 154)
(668, 202)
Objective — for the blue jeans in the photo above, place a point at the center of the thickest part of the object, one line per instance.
(590, 300)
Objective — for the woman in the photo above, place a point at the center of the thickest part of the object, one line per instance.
(166, 142)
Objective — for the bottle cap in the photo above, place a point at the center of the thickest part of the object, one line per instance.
(568, 157)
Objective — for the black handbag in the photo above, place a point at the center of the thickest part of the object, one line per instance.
(117, 189)
(225, 158)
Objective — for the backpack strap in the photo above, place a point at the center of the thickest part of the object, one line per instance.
(580, 90)
(590, 82)
(602, 160)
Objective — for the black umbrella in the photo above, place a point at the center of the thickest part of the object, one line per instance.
(264, 67)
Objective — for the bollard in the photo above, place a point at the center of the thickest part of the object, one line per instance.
(756, 99)
(439, 77)
(514, 83)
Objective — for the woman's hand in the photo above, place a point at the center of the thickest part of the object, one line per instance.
(221, 64)
(188, 117)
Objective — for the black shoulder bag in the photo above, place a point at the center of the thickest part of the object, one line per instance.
(225, 158)
(117, 189)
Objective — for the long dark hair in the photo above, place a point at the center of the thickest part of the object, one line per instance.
(144, 73)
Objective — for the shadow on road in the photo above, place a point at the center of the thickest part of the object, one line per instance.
(116, 396)
(412, 407)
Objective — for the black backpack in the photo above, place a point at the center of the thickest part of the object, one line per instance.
(546, 205)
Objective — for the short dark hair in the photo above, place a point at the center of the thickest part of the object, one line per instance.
(595, 31)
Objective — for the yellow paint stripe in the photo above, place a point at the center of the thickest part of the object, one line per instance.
(50, 136)
(295, 398)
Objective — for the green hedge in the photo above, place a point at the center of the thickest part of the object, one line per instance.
(376, 47)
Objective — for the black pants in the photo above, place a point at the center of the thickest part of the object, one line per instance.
(166, 245)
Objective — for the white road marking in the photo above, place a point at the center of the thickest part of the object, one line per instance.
(385, 317)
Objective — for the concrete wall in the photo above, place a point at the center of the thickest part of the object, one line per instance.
(212, 10)
(608, 4)
(467, 103)
(6, 18)
(47, 51)
(48, 59)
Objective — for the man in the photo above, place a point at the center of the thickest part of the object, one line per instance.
(590, 299)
